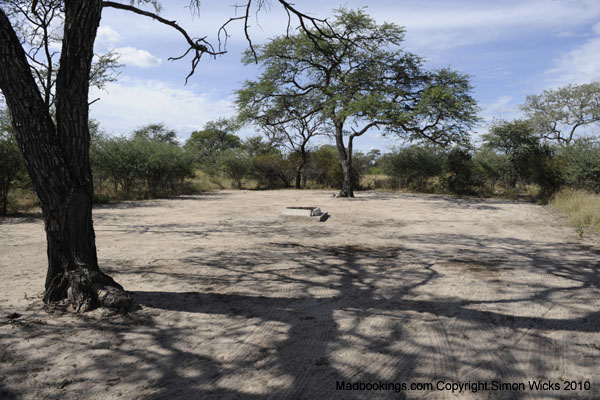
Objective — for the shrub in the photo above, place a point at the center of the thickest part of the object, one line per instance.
(580, 165)
(461, 174)
(271, 170)
(140, 164)
(235, 164)
(496, 168)
(412, 167)
(12, 166)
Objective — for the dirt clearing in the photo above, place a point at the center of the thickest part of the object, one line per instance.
(238, 303)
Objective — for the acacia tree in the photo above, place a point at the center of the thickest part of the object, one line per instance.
(158, 132)
(557, 114)
(360, 79)
(56, 151)
(287, 121)
(210, 143)
(529, 157)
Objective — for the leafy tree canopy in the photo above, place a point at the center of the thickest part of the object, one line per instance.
(157, 132)
(354, 73)
(557, 114)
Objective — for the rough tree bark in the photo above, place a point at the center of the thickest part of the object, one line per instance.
(57, 157)
(345, 156)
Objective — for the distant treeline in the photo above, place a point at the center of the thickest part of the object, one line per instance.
(150, 162)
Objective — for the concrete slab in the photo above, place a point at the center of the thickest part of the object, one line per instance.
(304, 213)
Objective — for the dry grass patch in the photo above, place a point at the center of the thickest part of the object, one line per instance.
(582, 207)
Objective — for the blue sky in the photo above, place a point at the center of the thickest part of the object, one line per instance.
(511, 49)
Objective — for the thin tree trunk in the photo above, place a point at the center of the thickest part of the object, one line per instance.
(57, 158)
(300, 167)
(4, 200)
(345, 156)
(297, 185)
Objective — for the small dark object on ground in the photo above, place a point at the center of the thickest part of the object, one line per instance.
(64, 383)
(13, 315)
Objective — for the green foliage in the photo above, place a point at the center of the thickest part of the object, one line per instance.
(255, 146)
(12, 166)
(267, 164)
(373, 156)
(258, 160)
(271, 170)
(557, 114)
(324, 168)
(495, 167)
(461, 174)
(156, 132)
(117, 159)
(235, 163)
(354, 71)
(207, 145)
(360, 166)
(580, 164)
(149, 162)
(531, 160)
(412, 167)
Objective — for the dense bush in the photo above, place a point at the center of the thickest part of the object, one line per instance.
(142, 165)
(235, 164)
(325, 170)
(461, 174)
(412, 167)
(496, 168)
(207, 147)
(271, 171)
(323, 167)
(12, 166)
(580, 164)
(531, 159)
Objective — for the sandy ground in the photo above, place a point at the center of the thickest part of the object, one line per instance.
(238, 303)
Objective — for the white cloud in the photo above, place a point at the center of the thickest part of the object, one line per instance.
(128, 104)
(501, 105)
(107, 36)
(131, 56)
(564, 34)
(434, 27)
(596, 28)
(580, 65)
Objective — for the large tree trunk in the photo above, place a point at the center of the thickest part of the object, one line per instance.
(57, 158)
(345, 156)
(347, 184)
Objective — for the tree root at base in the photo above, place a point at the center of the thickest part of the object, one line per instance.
(87, 289)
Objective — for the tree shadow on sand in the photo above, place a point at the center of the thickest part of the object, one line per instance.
(351, 313)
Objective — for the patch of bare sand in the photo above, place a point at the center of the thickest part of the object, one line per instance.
(237, 303)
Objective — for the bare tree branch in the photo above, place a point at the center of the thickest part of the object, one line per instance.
(199, 45)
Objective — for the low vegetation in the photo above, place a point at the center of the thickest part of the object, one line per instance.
(513, 161)
(581, 207)
(150, 162)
